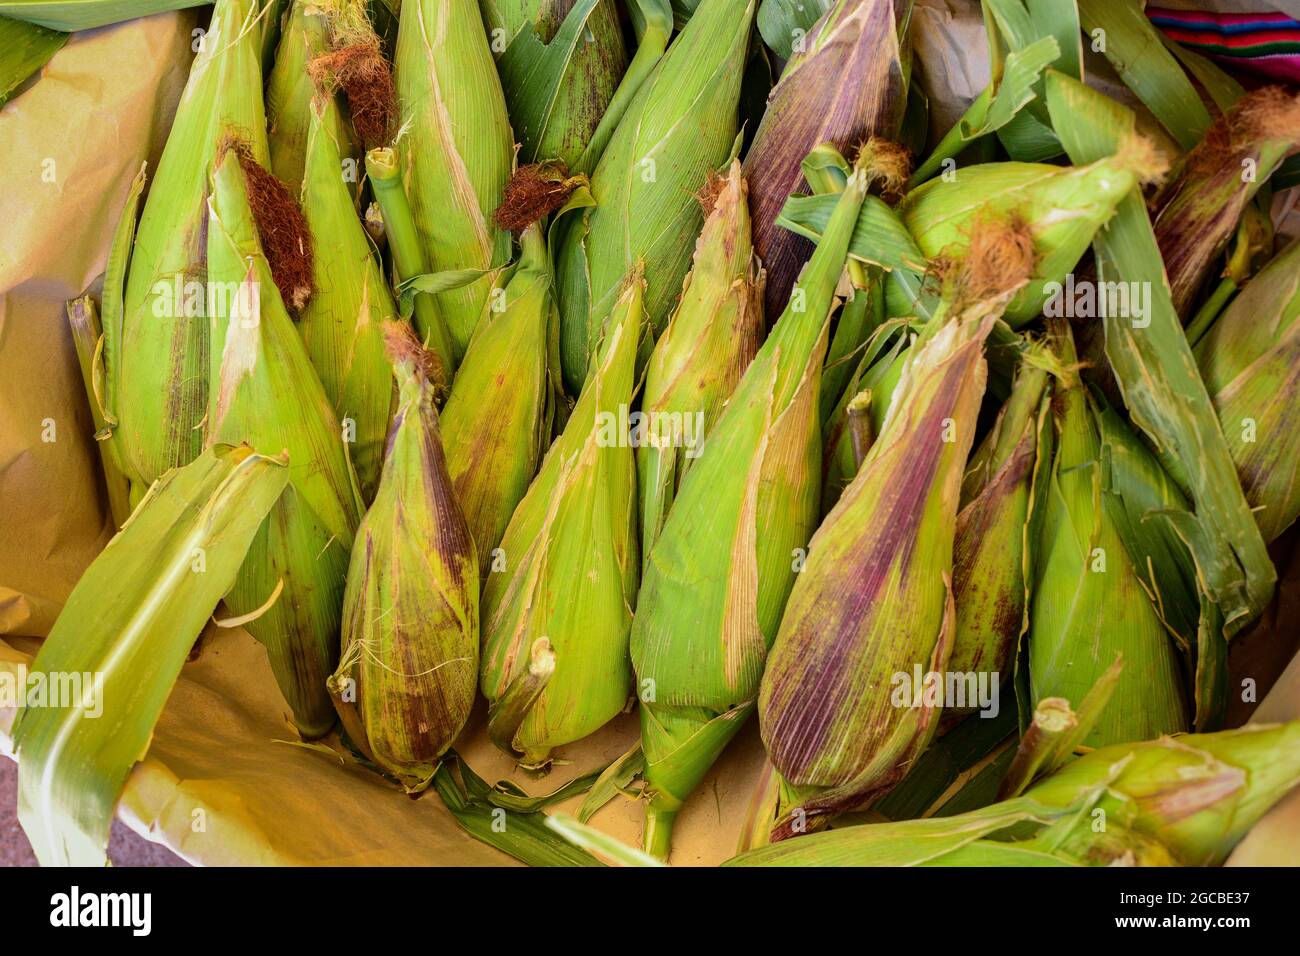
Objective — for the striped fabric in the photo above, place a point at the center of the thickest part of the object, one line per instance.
(1265, 43)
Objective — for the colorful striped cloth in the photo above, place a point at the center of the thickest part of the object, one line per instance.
(1265, 43)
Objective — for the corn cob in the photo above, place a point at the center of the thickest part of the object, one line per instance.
(875, 600)
(847, 83)
(680, 127)
(1184, 801)
(1198, 209)
(456, 150)
(1087, 604)
(409, 665)
(263, 390)
(342, 323)
(1061, 206)
(562, 127)
(705, 348)
(556, 619)
(159, 355)
(718, 576)
(988, 582)
(497, 420)
(1249, 361)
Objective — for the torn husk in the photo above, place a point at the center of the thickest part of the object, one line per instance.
(1250, 362)
(570, 565)
(739, 522)
(409, 663)
(705, 348)
(264, 391)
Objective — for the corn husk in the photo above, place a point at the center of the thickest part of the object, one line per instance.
(556, 619)
(456, 150)
(342, 324)
(1156, 372)
(73, 15)
(409, 664)
(720, 571)
(497, 421)
(156, 347)
(263, 390)
(988, 576)
(1249, 360)
(290, 90)
(1182, 801)
(875, 599)
(24, 49)
(680, 127)
(1198, 210)
(87, 338)
(1088, 607)
(1063, 207)
(127, 627)
(705, 348)
(556, 107)
(847, 82)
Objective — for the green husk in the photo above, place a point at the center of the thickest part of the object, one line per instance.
(27, 48)
(409, 664)
(679, 128)
(555, 620)
(263, 390)
(456, 150)
(497, 421)
(1180, 801)
(560, 63)
(718, 576)
(1088, 607)
(128, 625)
(1156, 373)
(88, 337)
(1063, 207)
(1249, 360)
(342, 325)
(72, 15)
(702, 353)
(290, 90)
(989, 555)
(157, 355)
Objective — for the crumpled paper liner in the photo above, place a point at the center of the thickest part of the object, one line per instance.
(224, 782)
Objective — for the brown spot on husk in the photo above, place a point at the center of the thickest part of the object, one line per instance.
(281, 226)
(534, 191)
(365, 76)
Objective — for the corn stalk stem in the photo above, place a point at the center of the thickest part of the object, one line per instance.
(408, 255)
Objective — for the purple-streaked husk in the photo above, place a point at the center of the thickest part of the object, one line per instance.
(875, 599)
(848, 85)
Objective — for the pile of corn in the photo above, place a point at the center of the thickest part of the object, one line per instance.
(554, 354)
